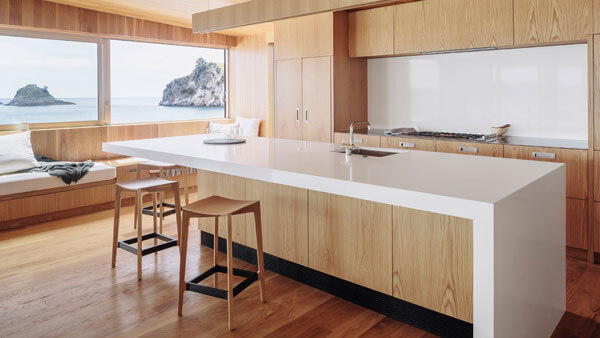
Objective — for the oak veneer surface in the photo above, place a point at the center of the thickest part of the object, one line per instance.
(359, 139)
(316, 99)
(575, 160)
(595, 86)
(41, 14)
(309, 36)
(596, 226)
(577, 225)
(483, 149)
(596, 191)
(542, 21)
(288, 99)
(419, 144)
(439, 273)
(371, 32)
(351, 239)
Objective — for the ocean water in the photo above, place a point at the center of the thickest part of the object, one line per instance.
(123, 110)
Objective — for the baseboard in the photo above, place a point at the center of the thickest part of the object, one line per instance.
(417, 316)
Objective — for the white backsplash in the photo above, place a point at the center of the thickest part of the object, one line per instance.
(541, 91)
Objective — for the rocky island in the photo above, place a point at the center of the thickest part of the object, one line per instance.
(32, 95)
(204, 87)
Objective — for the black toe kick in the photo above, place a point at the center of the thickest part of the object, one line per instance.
(412, 314)
(127, 244)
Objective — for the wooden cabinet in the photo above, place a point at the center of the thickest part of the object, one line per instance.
(544, 21)
(303, 99)
(360, 139)
(307, 36)
(351, 239)
(284, 212)
(470, 148)
(288, 99)
(596, 226)
(371, 32)
(576, 161)
(577, 234)
(316, 99)
(407, 143)
(433, 261)
(596, 191)
(433, 25)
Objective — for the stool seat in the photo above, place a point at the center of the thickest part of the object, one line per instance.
(145, 184)
(218, 206)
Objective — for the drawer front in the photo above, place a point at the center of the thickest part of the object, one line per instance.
(359, 139)
(467, 148)
(576, 161)
(407, 143)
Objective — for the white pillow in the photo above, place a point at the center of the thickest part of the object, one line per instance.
(16, 153)
(222, 128)
(248, 127)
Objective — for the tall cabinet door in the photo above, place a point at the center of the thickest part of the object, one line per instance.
(316, 99)
(288, 99)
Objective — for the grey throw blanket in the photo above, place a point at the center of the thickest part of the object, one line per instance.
(67, 171)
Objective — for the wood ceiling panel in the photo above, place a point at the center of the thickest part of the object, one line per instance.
(173, 12)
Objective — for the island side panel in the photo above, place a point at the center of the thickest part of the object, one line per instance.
(351, 239)
(529, 258)
(433, 261)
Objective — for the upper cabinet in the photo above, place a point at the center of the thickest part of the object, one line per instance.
(307, 36)
(371, 32)
(547, 21)
(434, 25)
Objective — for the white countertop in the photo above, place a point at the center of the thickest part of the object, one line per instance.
(472, 178)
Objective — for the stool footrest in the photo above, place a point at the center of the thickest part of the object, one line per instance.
(127, 244)
(150, 211)
(192, 285)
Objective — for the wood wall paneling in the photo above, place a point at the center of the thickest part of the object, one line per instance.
(248, 80)
(351, 239)
(543, 21)
(595, 88)
(433, 261)
(596, 16)
(349, 79)
(596, 177)
(48, 15)
(576, 161)
(372, 32)
(284, 212)
(596, 226)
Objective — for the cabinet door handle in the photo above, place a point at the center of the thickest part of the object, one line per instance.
(407, 145)
(546, 156)
(305, 114)
(297, 114)
(472, 150)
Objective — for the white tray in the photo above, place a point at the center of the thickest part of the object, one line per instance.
(223, 140)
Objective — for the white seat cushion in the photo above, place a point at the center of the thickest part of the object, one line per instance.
(27, 182)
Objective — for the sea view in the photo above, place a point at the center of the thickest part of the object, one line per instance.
(123, 110)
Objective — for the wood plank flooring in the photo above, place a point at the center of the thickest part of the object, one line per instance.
(56, 281)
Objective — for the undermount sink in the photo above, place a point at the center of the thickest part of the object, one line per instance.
(366, 152)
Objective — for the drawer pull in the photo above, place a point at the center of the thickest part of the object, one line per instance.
(472, 150)
(407, 145)
(546, 156)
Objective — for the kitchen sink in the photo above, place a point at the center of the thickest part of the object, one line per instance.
(366, 152)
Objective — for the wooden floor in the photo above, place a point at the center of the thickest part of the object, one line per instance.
(56, 281)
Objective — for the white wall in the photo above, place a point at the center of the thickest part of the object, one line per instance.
(541, 92)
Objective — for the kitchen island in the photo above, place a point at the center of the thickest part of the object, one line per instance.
(478, 240)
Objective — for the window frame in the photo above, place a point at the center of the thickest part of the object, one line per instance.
(103, 75)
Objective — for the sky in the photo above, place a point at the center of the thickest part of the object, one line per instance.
(68, 68)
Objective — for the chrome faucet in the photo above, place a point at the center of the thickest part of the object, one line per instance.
(351, 146)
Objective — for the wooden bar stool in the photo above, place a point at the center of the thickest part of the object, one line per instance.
(152, 185)
(158, 169)
(216, 206)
